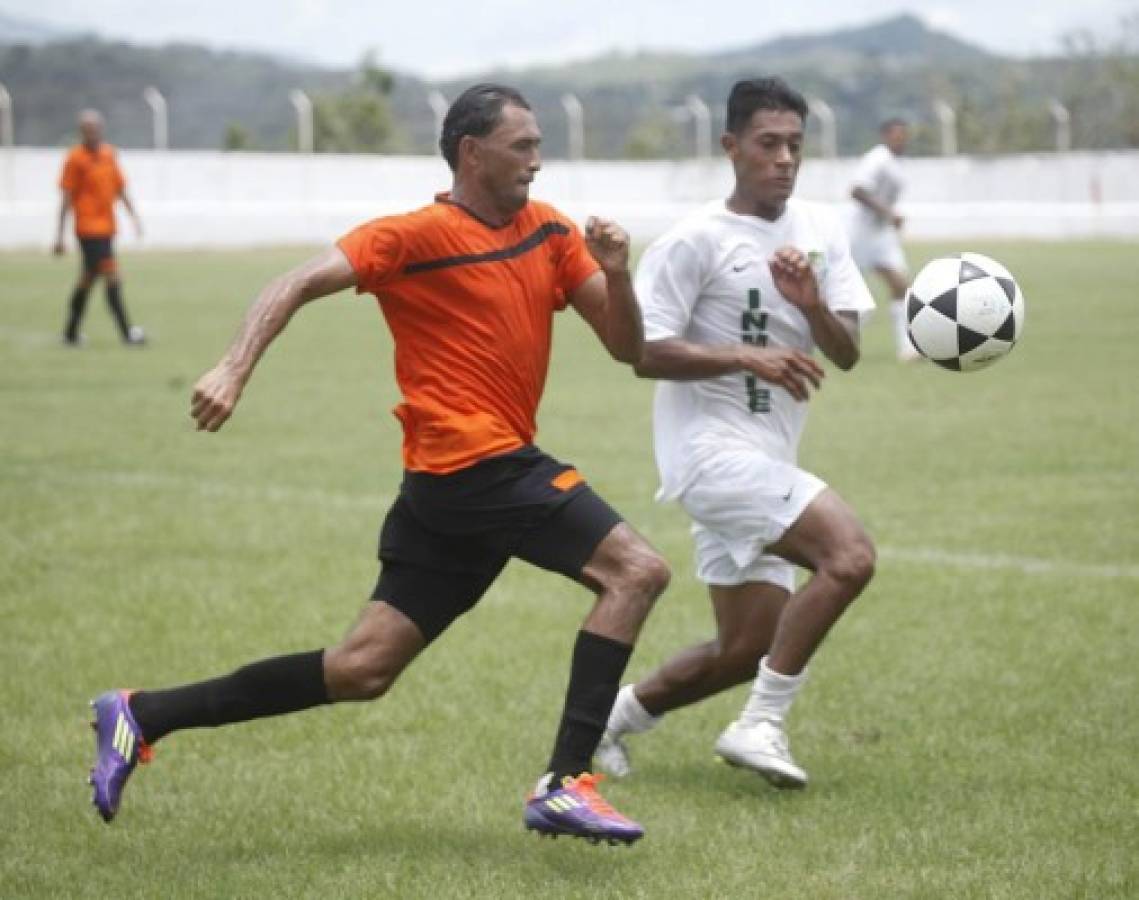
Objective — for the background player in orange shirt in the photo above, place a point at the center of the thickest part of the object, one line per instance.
(90, 184)
(469, 286)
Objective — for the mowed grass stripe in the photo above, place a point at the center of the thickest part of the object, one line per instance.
(1062, 568)
(150, 481)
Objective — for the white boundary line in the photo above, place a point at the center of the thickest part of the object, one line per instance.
(378, 503)
(24, 337)
(1027, 565)
(208, 487)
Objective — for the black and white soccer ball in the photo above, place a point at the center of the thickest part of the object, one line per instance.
(964, 312)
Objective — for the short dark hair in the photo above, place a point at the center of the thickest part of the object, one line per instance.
(476, 112)
(770, 92)
(892, 122)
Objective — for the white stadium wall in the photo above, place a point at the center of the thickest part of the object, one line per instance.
(211, 199)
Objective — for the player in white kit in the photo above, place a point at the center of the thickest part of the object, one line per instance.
(875, 225)
(734, 299)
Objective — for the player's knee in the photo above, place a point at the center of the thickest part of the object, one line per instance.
(853, 564)
(646, 573)
(638, 578)
(362, 674)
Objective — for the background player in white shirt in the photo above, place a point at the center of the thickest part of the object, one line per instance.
(734, 300)
(875, 225)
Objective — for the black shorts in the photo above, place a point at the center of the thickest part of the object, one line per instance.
(98, 254)
(447, 537)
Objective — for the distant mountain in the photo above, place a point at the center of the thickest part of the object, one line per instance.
(14, 30)
(903, 39)
(206, 91)
(869, 73)
(896, 66)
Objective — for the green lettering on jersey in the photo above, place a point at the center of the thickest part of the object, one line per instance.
(753, 330)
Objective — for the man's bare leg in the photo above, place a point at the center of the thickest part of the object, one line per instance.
(829, 540)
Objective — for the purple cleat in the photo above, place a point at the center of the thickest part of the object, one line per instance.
(577, 809)
(119, 747)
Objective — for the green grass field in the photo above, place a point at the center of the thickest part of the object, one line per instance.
(971, 727)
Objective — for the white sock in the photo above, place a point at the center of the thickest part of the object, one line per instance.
(628, 716)
(544, 785)
(898, 317)
(771, 696)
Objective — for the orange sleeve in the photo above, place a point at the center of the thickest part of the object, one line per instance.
(375, 251)
(120, 181)
(69, 178)
(575, 264)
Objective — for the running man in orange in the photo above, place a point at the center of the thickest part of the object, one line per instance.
(90, 184)
(469, 286)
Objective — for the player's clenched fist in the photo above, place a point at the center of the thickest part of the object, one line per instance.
(608, 242)
(215, 396)
(791, 369)
(794, 278)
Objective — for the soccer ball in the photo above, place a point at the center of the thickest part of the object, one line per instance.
(964, 312)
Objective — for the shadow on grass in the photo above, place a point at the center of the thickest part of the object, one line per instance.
(692, 782)
(454, 857)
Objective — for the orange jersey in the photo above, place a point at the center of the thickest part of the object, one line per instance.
(93, 181)
(470, 308)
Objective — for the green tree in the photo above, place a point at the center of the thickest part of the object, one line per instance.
(237, 137)
(655, 136)
(1123, 69)
(358, 119)
(1101, 85)
(1017, 123)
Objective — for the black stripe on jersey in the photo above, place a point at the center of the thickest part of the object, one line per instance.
(535, 239)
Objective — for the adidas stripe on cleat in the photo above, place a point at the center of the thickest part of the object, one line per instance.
(119, 747)
(578, 810)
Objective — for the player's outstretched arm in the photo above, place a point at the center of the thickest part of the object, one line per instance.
(61, 222)
(675, 359)
(836, 334)
(876, 206)
(125, 197)
(606, 299)
(217, 392)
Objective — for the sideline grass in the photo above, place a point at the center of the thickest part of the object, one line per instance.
(970, 728)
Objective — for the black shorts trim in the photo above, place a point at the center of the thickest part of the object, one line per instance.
(447, 537)
(96, 250)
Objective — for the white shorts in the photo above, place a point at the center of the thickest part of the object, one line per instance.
(741, 502)
(877, 248)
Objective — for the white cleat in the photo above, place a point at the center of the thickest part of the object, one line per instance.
(762, 748)
(612, 756)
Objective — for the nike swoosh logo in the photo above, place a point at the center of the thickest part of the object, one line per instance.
(740, 267)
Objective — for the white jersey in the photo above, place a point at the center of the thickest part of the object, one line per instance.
(707, 281)
(880, 174)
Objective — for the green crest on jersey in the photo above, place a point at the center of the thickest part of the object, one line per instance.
(817, 260)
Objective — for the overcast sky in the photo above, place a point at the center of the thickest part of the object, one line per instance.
(443, 38)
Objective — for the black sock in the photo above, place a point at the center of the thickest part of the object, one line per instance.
(75, 314)
(270, 687)
(115, 301)
(595, 676)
